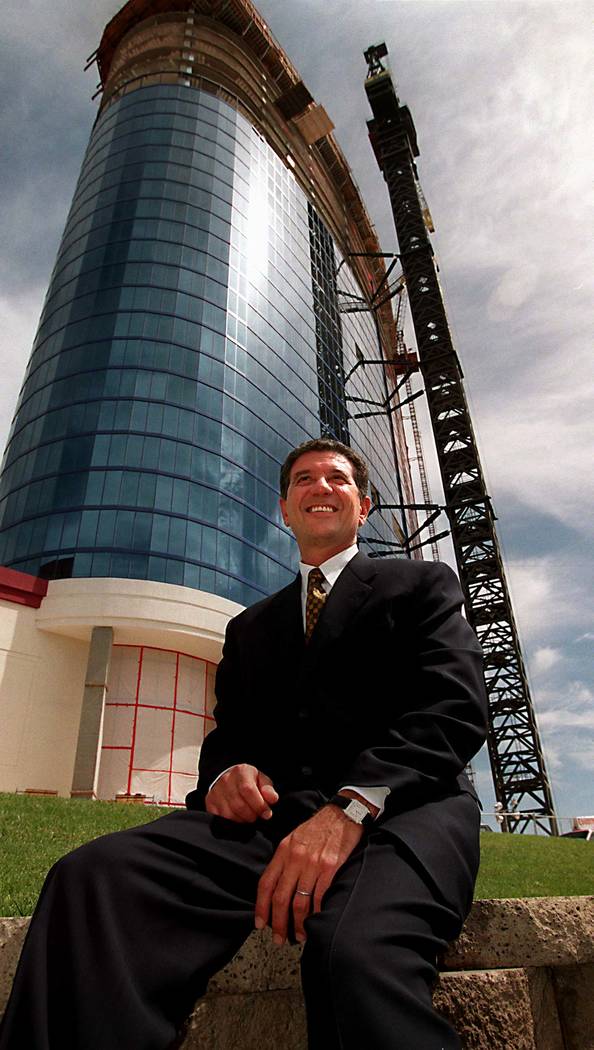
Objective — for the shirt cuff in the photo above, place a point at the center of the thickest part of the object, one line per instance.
(376, 795)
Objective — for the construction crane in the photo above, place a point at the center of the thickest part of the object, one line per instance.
(521, 782)
(419, 456)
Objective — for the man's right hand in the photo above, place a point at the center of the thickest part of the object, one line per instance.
(243, 794)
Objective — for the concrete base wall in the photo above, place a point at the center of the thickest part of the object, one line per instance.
(43, 661)
(42, 678)
(520, 977)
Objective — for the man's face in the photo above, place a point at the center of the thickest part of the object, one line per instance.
(323, 507)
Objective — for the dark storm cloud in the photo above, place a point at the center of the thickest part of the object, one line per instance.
(40, 169)
(529, 531)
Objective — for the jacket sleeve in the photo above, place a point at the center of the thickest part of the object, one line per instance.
(228, 743)
(441, 721)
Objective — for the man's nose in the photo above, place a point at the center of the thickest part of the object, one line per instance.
(321, 484)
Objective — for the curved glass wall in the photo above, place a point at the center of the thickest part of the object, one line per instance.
(178, 360)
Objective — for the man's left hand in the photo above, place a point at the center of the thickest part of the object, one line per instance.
(306, 860)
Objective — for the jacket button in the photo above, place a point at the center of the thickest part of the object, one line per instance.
(303, 713)
(306, 771)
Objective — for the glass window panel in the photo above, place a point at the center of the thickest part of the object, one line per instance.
(117, 451)
(100, 449)
(146, 490)
(123, 528)
(141, 538)
(88, 528)
(150, 456)
(101, 564)
(53, 535)
(129, 487)
(167, 455)
(175, 572)
(192, 575)
(164, 493)
(177, 536)
(111, 490)
(179, 504)
(160, 534)
(94, 491)
(70, 531)
(183, 458)
(157, 568)
(120, 566)
(82, 565)
(135, 449)
(106, 528)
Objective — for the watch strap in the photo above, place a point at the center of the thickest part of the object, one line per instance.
(353, 809)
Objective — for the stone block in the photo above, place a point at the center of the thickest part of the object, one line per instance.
(539, 931)
(259, 966)
(545, 1016)
(263, 1021)
(12, 935)
(493, 1006)
(574, 991)
(490, 1011)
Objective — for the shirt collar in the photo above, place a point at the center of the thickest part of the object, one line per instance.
(331, 568)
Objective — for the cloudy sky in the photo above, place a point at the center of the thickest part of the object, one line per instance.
(501, 97)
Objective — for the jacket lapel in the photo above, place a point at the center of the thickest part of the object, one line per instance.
(284, 627)
(348, 595)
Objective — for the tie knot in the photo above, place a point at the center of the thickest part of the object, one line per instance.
(315, 578)
(315, 600)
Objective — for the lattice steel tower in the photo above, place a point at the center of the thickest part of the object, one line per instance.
(517, 762)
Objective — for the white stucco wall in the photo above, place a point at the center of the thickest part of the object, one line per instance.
(41, 687)
(43, 659)
(140, 612)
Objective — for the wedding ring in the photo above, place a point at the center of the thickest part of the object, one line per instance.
(302, 893)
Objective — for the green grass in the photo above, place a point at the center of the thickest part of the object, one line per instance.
(534, 866)
(35, 832)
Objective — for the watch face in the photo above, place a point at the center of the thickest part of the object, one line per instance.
(353, 809)
(356, 811)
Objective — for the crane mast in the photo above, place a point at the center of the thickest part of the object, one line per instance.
(517, 762)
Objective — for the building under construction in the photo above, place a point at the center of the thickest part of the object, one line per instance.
(193, 332)
(219, 296)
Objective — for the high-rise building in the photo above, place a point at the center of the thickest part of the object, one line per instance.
(208, 310)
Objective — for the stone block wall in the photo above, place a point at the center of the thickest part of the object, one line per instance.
(520, 977)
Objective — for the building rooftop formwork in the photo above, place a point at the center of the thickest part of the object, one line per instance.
(283, 106)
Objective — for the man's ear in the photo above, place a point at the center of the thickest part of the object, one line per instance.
(365, 508)
(283, 509)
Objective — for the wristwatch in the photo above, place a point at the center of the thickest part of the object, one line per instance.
(353, 809)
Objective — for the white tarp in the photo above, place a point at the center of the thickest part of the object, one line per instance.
(156, 716)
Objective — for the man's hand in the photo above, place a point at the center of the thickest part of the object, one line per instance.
(243, 794)
(306, 860)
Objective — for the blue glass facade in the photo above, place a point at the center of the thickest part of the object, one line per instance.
(180, 355)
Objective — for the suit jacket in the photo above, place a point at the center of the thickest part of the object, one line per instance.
(389, 691)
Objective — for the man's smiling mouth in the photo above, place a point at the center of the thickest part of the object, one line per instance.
(322, 507)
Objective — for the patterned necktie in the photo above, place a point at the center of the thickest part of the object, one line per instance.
(314, 602)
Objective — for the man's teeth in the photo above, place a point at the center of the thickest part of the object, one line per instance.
(330, 510)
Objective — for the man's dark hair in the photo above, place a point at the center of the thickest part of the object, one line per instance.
(360, 472)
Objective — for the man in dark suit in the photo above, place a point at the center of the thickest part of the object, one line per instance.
(331, 804)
